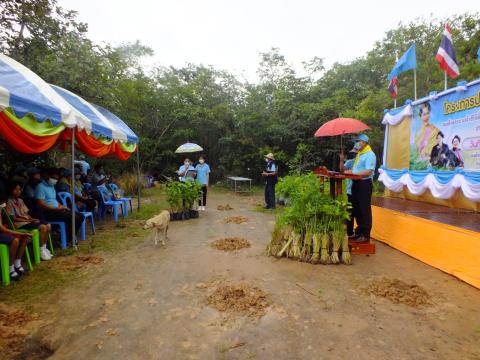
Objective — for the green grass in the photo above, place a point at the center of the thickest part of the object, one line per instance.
(47, 278)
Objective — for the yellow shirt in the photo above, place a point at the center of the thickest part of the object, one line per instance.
(425, 140)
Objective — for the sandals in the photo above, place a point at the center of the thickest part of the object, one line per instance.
(14, 276)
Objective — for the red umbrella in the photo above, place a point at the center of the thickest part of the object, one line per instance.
(341, 126)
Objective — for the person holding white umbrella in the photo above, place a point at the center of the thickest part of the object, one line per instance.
(185, 171)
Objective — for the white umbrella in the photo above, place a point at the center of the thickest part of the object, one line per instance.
(188, 148)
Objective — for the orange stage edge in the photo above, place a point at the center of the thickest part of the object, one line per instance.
(451, 249)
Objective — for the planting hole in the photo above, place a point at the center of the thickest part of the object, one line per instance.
(231, 244)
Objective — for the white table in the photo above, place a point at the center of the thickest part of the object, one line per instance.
(236, 182)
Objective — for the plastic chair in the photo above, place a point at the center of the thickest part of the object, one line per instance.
(107, 201)
(87, 187)
(4, 264)
(126, 200)
(66, 198)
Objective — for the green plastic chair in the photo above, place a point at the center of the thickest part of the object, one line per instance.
(4, 264)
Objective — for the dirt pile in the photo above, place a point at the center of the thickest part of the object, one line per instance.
(239, 299)
(399, 292)
(15, 340)
(231, 244)
(77, 262)
(235, 220)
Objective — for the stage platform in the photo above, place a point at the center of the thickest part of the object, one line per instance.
(448, 239)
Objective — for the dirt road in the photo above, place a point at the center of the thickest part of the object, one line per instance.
(149, 303)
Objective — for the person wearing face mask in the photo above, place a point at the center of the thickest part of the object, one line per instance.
(185, 170)
(28, 193)
(364, 165)
(271, 177)
(203, 177)
(16, 242)
(99, 181)
(52, 210)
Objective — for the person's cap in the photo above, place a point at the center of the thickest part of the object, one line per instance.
(355, 148)
(33, 170)
(81, 157)
(362, 137)
(270, 156)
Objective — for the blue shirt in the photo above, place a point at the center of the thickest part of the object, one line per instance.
(271, 166)
(182, 170)
(348, 166)
(367, 161)
(202, 173)
(46, 192)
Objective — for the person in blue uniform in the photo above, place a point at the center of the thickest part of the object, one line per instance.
(364, 165)
(271, 177)
(346, 166)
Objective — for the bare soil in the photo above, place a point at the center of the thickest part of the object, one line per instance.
(76, 262)
(148, 302)
(231, 244)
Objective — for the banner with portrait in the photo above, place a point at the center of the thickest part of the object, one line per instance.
(445, 131)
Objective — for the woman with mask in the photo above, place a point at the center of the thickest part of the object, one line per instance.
(185, 171)
(203, 177)
(22, 219)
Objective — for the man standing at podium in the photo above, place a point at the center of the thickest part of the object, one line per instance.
(364, 165)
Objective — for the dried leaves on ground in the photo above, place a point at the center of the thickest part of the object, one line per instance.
(239, 299)
(224, 207)
(235, 220)
(231, 244)
(399, 292)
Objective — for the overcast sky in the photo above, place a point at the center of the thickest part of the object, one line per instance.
(230, 34)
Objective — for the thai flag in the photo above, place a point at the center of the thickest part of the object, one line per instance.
(446, 54)
(392, 87)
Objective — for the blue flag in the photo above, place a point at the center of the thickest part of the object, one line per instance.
(478, 54)
(408, 61)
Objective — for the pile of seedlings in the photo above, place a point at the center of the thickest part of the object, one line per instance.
(231, 244)
(224, 207)
(312, 228)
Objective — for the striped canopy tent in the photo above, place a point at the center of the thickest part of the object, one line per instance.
(34, 116)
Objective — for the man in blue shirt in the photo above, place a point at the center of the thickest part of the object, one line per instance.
(84, 164)
(203, 177)
(345, 166)
(186, 171)
(52, 210)
(364, 165)
(270, 174)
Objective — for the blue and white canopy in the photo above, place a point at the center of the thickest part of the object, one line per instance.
(103, 122)
(25, 92)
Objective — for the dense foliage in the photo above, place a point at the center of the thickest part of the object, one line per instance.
(234, 120)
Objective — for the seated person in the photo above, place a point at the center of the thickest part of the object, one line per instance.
(28, 193)
(16, 243)
(22, 220)
(52, 210)
(99, 181)
(83, 201)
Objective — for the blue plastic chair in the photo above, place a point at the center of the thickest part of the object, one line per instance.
(107, 201)
(87, 187)
(63, 232)
(66, 199)
(126, 200)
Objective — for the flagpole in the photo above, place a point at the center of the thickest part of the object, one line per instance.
(446, 80)
(415, 83)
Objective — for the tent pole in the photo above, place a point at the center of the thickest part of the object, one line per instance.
(72, 190)
(138, 178)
